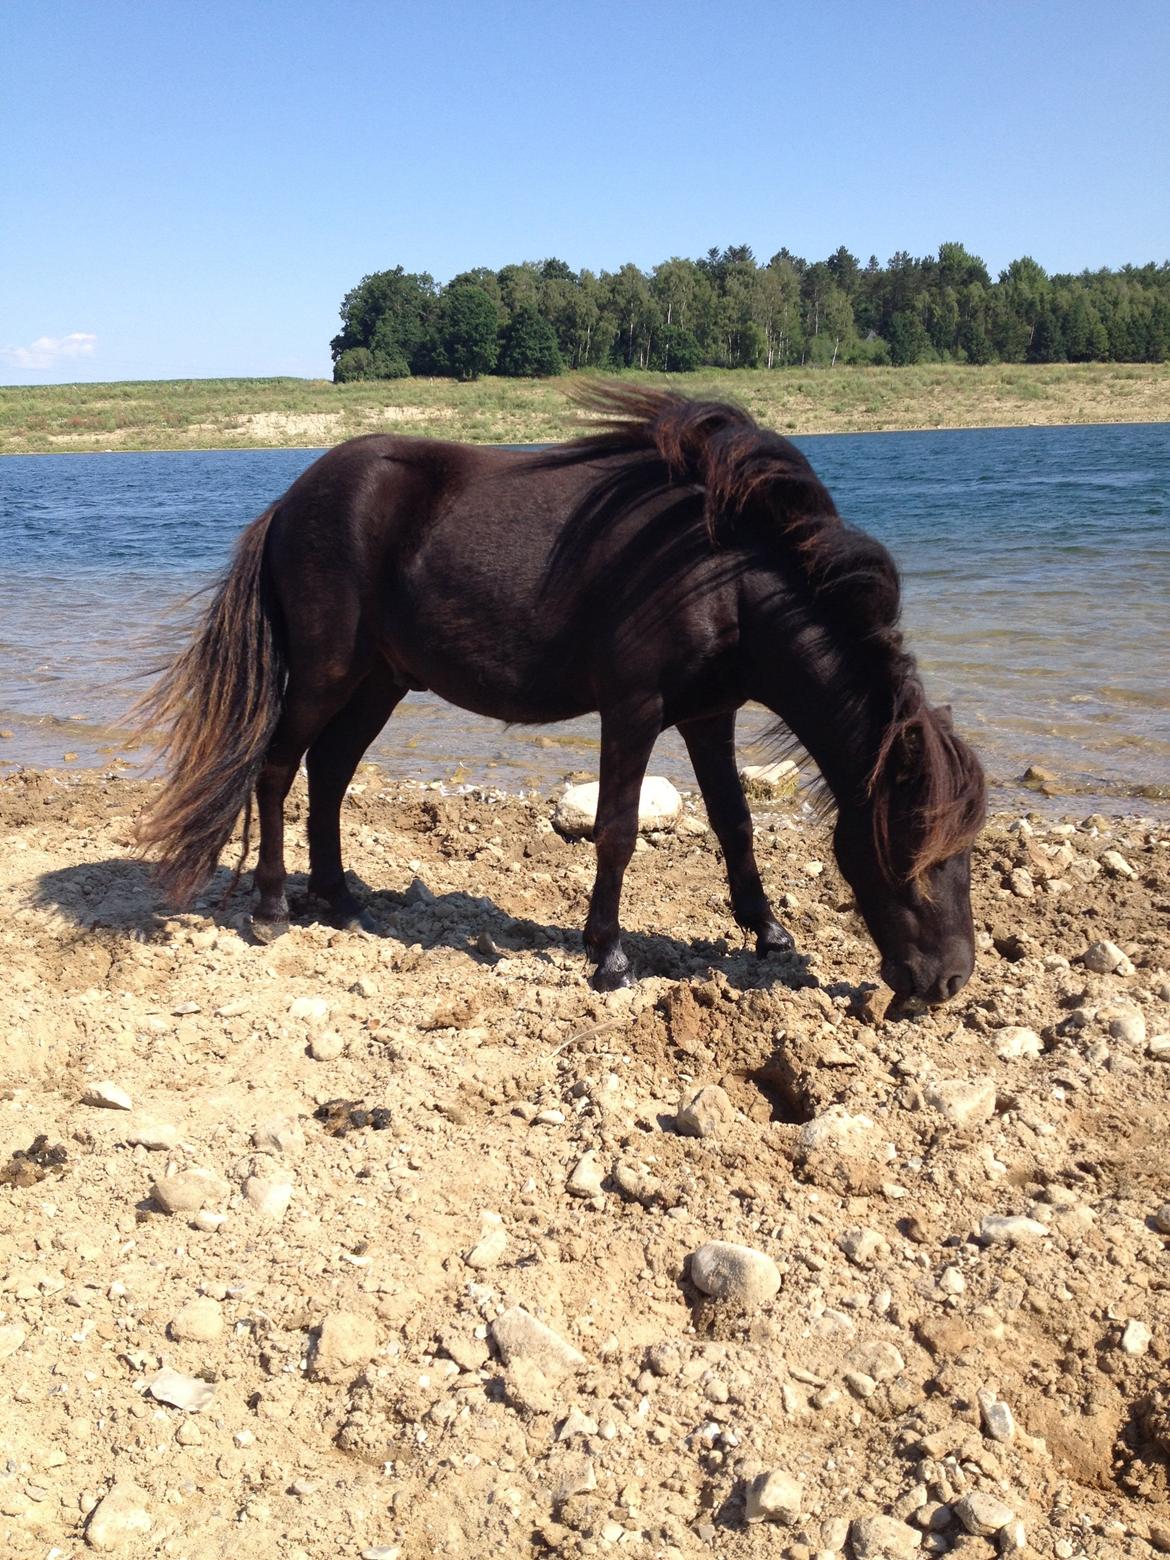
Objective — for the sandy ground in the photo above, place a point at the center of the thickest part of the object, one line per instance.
(391, 1156)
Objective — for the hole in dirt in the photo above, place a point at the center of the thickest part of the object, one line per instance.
(782, 1092)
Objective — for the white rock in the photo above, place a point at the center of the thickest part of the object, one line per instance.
(311, 1010)
(1116, 865)
(1014, 1042)
(951, 1281)
(119, 1517)
(1012, 1538)
(883, 1538)
(997, 1417)
(152, 1134)
(586, 1178)
(344, 1340)
(576, 1423)
(774, 1497)
(518, 1335)
(326, 1046)
(1014, 1229)
(188, 1190)
(269, 1197)
(836, 1129)
(12, 1336)
(279, 1135)
(1106, 958)
(107, 1095)
(488, 1249)
(659, 804)
(863, 1246)
(1158, 1048)
(964, 1102)
(180, 1391)
(879, 1359)
(781, 778)
(1127, 1024)
(200, 1319)
(1136, 1338)
(702, 1111)
(737, 1273)
(983, 1514)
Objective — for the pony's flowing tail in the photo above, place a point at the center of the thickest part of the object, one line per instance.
(213, 713)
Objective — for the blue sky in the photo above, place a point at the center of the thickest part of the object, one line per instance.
(189, 189)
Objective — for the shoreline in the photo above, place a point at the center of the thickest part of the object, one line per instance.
(227, 414)
(804, 433)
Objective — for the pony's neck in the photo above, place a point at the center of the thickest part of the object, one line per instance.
(838, 715)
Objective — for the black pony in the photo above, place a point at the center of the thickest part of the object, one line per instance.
(662, 571)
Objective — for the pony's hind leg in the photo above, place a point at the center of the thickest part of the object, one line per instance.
(332, 759)
(627, 738)
(711, 745)
(307, 708)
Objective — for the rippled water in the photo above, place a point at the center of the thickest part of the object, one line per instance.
(1036, 561)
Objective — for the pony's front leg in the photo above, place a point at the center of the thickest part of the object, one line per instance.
(627, 738)
(711, 745)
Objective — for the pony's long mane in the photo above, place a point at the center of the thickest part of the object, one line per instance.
(748, 478)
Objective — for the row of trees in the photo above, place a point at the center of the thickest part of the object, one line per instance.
(730, 311)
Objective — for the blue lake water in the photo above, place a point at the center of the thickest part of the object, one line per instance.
(1036, 563)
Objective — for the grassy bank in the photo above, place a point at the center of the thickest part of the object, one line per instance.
(251, 413)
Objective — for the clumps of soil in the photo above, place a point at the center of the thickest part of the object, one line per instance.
(427, 1285)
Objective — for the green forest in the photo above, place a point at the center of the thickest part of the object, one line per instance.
(728, 310)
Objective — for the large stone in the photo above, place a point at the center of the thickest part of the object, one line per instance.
(658, 806)
(119, 1517)
(702, 1111)
(883, 1538)
(964, 1102)
(773, 1497)
(518, 1335)
(345, 1340)
(189, 1190)
(737, 1273)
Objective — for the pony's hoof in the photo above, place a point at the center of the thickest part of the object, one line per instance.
(611, 980)
(774, 939)
(267, 931)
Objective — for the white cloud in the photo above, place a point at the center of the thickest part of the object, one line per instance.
(49, 351)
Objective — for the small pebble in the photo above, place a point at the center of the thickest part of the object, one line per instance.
(269, 1197)
(311, 1010)
(200, 1319)
(1136, 1338)
(997, 1417)
(1013, 1043)
(326, 1046)
(703, 1111)
(1013, 1229)
(1127, 1024)
(107, 1095)
(488, 1249)
(963, 1102)
(883, 1538)
(152, 1134)
(983, 1514)
(180, 1391)
(587, 1176)
(1116, 865)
